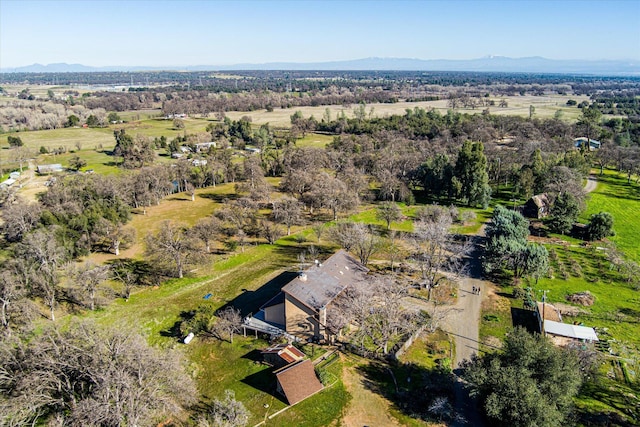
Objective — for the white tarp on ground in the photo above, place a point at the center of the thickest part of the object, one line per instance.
(571, 331)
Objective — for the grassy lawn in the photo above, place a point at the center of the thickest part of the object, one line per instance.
(314, 140)
(622, 200)
(220, 365)
(157, 127)
(99, 161)
(546, 107)
(70, 138)
(579, 269)
(576, 267)
(244, 279)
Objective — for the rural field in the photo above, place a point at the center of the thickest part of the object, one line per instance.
(243, 270)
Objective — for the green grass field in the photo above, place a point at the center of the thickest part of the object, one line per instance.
(69, 138)
(622, 200)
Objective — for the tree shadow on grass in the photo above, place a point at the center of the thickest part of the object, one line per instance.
(411, 388)
(265, 381)
(250, 301)
(621, 398)
(525, 318)
(219, 198)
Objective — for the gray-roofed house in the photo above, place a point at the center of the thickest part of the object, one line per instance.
(52, 168)
(593, 144)
(301, 307)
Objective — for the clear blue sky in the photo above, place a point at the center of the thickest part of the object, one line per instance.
(156, 33)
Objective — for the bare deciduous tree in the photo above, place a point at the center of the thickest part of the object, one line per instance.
(43, 255)
(227, 324)
(225, 413)
(87, 279)
(287, 211)
(19, 218)
(174, 245)
(435, 250)
(90, 376)
(206, 229)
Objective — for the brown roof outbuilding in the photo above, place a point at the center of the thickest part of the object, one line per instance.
(298, 381)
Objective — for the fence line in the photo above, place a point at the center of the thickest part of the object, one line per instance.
(409, 341)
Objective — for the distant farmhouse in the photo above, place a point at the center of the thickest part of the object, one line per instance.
(51, 168)
(593, 144)
(204, 146)
(301, 309)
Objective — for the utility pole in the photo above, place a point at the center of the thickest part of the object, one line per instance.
(544, 300)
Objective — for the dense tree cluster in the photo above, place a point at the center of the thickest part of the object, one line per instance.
(507, 246)
(87, 375)
(530, 382)
(21, 115)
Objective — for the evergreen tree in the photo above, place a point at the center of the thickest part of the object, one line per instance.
(471, 171)
(564, 213)
(530, 382)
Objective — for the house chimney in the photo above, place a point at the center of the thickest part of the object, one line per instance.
(303, 277)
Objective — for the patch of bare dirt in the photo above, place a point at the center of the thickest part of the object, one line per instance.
(583, 298)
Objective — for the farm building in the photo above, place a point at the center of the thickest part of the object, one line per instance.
(7, 183)
(51, 168)
(536, 207)
(204, 146)
(561, 333)
(297, 381)
(593, 144)
(281, 355)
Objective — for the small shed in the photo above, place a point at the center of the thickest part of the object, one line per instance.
(281, 355)
(7, 183)
(537, 206)
(297, 381)
(576, 332)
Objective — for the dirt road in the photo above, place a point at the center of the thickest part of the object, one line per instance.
(463, 324)
(591, 184)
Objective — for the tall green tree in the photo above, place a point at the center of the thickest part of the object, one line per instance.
(471, 171)
(529, 383)
(506, 238)
(589, 123)
(564, 213)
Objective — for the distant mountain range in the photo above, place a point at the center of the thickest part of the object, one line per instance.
(533, 64)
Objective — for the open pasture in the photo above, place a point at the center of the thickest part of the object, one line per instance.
(622, 200)
(545, 106)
